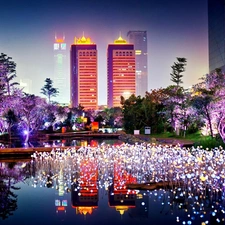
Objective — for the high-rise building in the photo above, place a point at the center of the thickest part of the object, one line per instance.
(139, 39)
(84, 76)
(61, 74)
(216, 29)
(120, 71)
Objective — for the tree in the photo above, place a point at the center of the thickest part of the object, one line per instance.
(116, 116)
(174, 106)
(7, 74)
(31, 114)
(177, 69)
(61, 115)
(202, 103)
(132, 113)
(208, 100)
(48, 90)
(11, 119)
(139, 113)
(154, 110)
(8, 110)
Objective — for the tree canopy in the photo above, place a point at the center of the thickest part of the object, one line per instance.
(177, 69)
(7, 74)
(48, 90)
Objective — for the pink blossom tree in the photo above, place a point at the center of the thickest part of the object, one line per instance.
(209, 102)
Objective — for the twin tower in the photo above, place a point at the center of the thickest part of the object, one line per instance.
(126, 70)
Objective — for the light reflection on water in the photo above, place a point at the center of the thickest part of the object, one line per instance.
(89, 186)
(82, 142)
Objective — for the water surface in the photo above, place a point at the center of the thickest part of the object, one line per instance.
(86, 187)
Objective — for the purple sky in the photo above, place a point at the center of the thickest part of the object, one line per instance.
(175, 29)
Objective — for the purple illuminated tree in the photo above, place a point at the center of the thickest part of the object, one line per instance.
(9, 111)
(203, 104)
(175, 106)
(11, 120)
(175, 101)
(31, 113)
(208, 100)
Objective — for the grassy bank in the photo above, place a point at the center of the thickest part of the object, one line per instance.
(207, 142)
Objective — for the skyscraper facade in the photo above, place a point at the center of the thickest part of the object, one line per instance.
(61, 72)
(120, 71)
(216, 29)
(139, 39)
(84, 77)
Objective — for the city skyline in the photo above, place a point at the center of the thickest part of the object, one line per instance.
(175, 29)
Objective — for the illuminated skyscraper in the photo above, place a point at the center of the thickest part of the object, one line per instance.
(61, 75)
(84, 77)
(120, 71)
(139, 39)
(216, 29)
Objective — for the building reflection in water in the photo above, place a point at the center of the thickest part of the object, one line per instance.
(84, 190)
(60, 202)
(119, 196)
(84, 172)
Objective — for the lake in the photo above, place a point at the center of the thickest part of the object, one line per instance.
(89, 186)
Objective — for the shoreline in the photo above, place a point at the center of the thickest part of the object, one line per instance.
(127, 138)
(30, 150)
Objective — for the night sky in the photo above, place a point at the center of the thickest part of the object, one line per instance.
(175, 28)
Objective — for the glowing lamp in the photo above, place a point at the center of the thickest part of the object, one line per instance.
(25, 132)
